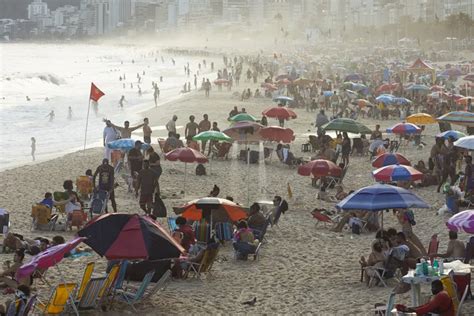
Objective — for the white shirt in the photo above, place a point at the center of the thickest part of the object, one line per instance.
(110, 134)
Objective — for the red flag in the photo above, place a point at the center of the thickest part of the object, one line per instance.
(96, 94)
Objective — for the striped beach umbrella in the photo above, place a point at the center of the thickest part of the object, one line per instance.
(421, 119)
(404, 128)
(397, 173)
(458, 117)
(462, 221)
(388, 159)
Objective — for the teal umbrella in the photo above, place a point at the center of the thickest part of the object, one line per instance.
(212, 135)
(243, 117)
(346, 125)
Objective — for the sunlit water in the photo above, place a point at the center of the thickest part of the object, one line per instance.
(63, 74)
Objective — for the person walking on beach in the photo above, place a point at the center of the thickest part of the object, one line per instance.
(191, 129)
(122, 100)
(106, 181)
(51, 115)
(109, 135)
(69, 113)
(204, 125)
(146, 185)
(146, 131)
(33, 147)
(156, 94)
(171, 125)
(207, 87)
(126, 130)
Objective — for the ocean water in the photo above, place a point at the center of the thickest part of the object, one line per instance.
(58, 76)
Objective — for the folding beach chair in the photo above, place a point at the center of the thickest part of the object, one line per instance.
(323, 218)
(84, 187)
(121, 275)
(29, 306)
(260, 234)
(386, 309)
(132, 298)
(205, 266)
(59, 197)
(99, 203)
(90, 296)
(42, 219)
(337, 180)
(224, 231)
(85, 280)
(461, 303)
(21, 307)
(221, 150)
(172, 224)
(433, 246)
(60, 298)
(376, 273)
(159, 285)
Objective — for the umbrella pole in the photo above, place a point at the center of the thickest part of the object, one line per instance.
(382, 223)
(184, 184)
(248, 176)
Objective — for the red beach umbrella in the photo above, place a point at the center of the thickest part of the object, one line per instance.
(277, 134)
(280, 112)
(387, 159)
(221, 81)
(320, 168)
(387, 87)
(397, 173)
(186, 154)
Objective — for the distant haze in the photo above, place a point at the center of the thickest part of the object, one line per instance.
(17, 9)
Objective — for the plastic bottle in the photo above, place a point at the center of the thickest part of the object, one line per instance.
(441, 266)
(435, 267)
(424, 266)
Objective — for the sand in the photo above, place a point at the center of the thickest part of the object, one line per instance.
(301, 269)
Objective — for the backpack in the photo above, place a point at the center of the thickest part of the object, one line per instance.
(200, 170)
(410, 217)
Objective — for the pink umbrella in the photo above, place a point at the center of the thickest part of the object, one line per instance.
(47, 258)
(277, 134)
(186, 154)
(462, 221)
(245, 131)
(221, 81)
(320, 168)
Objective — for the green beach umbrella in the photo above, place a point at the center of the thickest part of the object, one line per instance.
(346, 125)
(243, 117)
(213, 135)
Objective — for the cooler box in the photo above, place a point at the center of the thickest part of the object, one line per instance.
(4, 221)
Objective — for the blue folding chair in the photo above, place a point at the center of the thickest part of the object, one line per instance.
(132, 298)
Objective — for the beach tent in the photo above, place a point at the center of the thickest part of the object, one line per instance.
(419, 67)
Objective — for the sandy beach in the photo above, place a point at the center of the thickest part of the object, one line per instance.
(302, 269)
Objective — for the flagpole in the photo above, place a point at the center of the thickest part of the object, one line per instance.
(87, 124)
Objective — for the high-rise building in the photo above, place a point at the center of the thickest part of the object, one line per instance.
(37, 9)
(235, 10)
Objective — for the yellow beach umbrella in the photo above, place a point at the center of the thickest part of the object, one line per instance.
(421, 119)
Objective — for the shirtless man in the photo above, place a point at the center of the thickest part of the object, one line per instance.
(126, 130)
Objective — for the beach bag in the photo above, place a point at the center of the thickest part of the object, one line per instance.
(355, 228)
(159, 208)
(200, 170)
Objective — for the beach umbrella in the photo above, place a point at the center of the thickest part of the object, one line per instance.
(351, 94)
(186, 155)
(221, 81)
(358, 87)
(282, 98)
(465, 100)
(219, 210)
(404, 128)
(212, 135)
(243, 117)
(436, 88)
(418, 87)
(379, 197)
(320, 168)
(302, 81)
(363, 103)
(346, 125)
(125, 144)
(462, 221)
(397, 173)
(385, 99)
(48, 258)
(452, 72)
(387, 159)
(458, 117)
(451, 133)
(354, 77)
(245, 131)
(277, 134)
(120, 236)
(465, 142)
(328, 93)
(280, 112)
(469, 77)
(401, 101)
(387, 87)
(421, 119)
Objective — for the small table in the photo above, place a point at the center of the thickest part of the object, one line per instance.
(415, 281)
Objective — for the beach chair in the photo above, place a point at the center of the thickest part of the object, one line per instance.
(85, 280)
(77, 219)
(20, 307)
(337, 180)
(172, 224)
(433, 246)
(42, 219)
(386, 309)
(377, 273)
(320, 217)
(90, 296)
(450, 287)
(205, 266)
(84, 187)
(260, 234)
(29, 306)
(161, 143)
(121, 275)
(202, 230)
(461, 303)
(224, 231)
(159, 285)
(99, 203)
(59, 299)
(132, 298)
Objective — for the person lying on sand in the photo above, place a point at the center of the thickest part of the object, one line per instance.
(7, 276)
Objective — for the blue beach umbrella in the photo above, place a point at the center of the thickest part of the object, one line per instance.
(328, 93)
(418, 87)
(451, 133)
(282, 98)
(125, 144)
(402, 101)
(385, 99)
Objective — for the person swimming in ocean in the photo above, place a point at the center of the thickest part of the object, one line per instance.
(51, 115)
(69, 113)
(121, 101)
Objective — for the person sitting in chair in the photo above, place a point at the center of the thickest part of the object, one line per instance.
(244, 241)
(7, 276)
(189, 238)
(456, 248)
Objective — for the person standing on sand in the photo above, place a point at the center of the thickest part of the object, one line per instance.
(106, 181)
(191, 129)
(146, 184)
(204, 125)
(33, 147)
(69, 113)
(207, 87)
(146, 131)
(156, 93)
(109, 135)
(171, 125)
